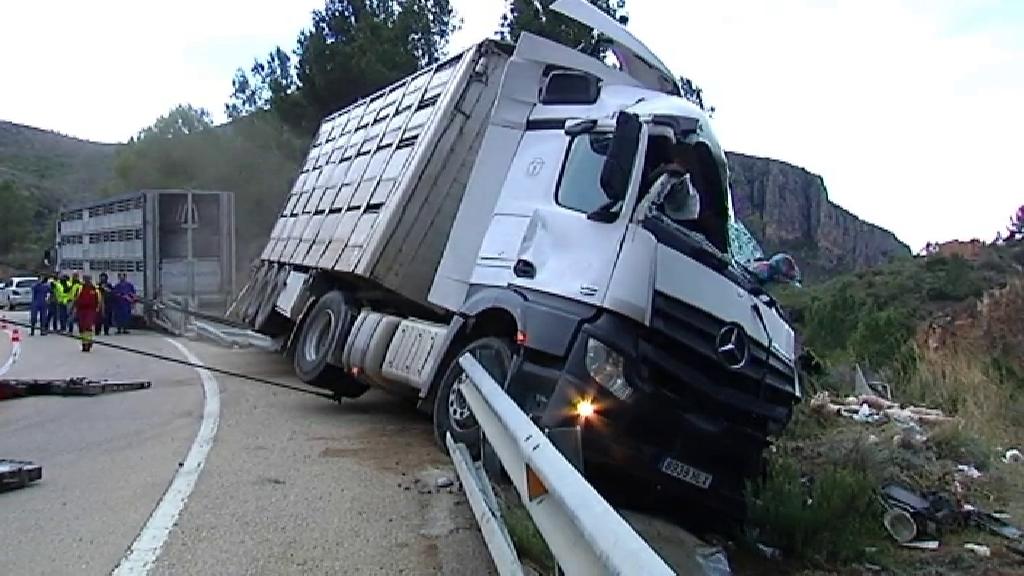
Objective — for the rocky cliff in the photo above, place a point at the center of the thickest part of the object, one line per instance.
(787, 208)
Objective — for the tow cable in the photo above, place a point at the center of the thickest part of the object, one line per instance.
(155, 356)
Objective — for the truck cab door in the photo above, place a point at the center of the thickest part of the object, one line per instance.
(570, 245)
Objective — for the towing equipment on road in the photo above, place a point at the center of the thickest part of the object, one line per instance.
(78, 386)
(18, 474)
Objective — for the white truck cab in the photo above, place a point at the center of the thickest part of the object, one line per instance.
(568, 224)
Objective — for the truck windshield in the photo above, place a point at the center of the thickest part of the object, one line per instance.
(580, 185)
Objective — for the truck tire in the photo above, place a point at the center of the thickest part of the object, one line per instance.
(329, 317)
(451, 412)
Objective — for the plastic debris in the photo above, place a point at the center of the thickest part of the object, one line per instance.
(769, 552)
(922, 545)
(980, 550)
(713, 562)
(1013, 456)
(996, 525)
(899, 525)
(931, 512)
(968, 470)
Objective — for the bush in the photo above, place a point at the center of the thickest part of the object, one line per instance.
(830, 521)
(954, 442)
(871, 315)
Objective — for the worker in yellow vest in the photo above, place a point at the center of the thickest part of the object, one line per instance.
(75, 290)
(63, 292)
(53, 304)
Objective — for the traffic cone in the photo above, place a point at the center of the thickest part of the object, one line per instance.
(16, 336)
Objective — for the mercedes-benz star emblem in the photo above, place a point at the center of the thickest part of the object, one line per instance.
(732, 347)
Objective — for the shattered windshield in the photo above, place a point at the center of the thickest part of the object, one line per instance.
(742, 244)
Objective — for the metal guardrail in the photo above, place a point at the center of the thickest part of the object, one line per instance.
(179, 316)
(585, 534)
(175, 318)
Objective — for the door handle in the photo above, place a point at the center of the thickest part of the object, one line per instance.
(524, 269)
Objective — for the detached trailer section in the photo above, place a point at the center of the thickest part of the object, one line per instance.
(168, 242)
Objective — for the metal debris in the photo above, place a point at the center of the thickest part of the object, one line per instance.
(78, 386)
(980, 550)
(18, 474)
(922, 545)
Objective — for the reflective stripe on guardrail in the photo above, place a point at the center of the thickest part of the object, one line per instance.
(585, 534)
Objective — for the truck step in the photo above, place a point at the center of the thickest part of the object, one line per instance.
(79, 386)
(16, 474)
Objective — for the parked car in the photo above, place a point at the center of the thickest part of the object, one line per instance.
(18, 291)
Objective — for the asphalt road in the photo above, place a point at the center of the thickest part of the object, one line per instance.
(292, 484)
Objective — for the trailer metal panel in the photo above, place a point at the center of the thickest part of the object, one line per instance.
(386, 174)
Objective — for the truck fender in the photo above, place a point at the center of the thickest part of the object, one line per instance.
(549, 325)
(546, 323)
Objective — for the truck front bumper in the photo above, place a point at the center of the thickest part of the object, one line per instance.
(675, 438)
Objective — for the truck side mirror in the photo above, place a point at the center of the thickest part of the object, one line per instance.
(618, 165)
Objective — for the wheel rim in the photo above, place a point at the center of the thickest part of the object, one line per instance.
(319, 336)
(459, 413)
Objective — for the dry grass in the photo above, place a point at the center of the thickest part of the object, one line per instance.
(962, 383)
(529, 543)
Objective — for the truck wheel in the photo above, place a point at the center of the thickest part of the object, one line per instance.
(330, 317)
(451, 411)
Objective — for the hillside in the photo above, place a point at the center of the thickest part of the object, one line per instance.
(943, 331)
(787, 208)
(56, 166)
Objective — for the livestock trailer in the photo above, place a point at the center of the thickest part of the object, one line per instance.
(168, 242)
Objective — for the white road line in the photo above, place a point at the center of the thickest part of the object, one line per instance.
(147, 546)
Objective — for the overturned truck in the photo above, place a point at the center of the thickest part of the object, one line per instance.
(500, 204)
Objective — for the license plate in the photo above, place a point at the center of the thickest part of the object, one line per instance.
(686, 473)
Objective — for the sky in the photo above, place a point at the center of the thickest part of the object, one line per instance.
(911, 110)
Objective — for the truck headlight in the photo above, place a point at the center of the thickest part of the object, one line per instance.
(606, 367)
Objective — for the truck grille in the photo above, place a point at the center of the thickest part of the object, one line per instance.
(680, 351)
